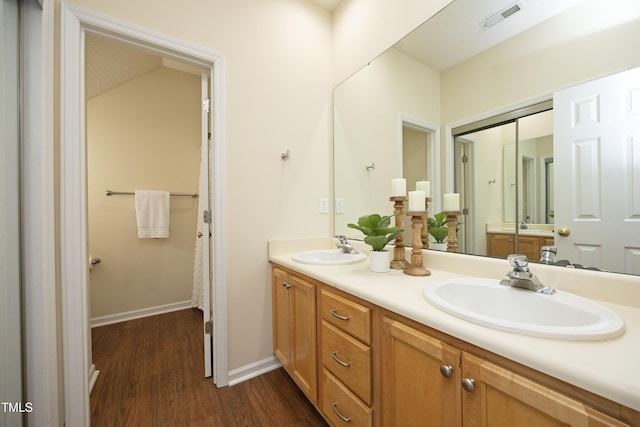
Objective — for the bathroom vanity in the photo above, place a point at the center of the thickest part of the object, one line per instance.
(501, 240)
(368, 350)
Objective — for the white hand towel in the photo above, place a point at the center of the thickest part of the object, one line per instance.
(152, 214)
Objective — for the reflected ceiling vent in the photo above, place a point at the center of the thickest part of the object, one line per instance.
(502, 15)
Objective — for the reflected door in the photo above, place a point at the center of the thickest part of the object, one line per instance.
(597, 201)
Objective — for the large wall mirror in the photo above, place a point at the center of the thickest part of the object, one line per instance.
(451, 104)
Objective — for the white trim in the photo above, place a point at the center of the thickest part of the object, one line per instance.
(434, 153)
(75, 21)
(253, 370)
(93, 376)
(38, 234)
(448, 138)
(139, 314)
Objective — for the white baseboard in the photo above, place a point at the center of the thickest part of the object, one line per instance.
(253, 370)
(138, 314)
(93, 376)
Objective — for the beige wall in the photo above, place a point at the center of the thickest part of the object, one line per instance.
(368, 125)
(277, 86)
(279, 58)
(144, 134)
(528, 66)
(363, 29)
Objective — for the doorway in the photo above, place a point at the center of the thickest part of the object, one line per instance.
(76, 24)
(143, 121)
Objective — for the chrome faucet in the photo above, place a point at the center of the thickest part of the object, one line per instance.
(345, 246)
(521, 277)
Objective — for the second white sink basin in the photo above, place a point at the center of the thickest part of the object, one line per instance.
(560, 316)
(328, 257)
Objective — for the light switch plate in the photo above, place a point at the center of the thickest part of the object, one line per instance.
(339, 205)
(324, 205)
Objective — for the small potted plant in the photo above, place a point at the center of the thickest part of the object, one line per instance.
(437, 226)
(378, 234)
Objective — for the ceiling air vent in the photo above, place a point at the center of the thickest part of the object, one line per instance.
(502, 15)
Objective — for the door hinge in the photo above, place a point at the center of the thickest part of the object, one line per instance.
(206, 105)
(206, 217)
(208, 327)
(465, 211)
(465, 158)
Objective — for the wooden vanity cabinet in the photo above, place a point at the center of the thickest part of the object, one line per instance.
(495, 396)
(429, 382)
(346, 362)
(503, 245)
(372, 367)
(420, 378)
(294, 329)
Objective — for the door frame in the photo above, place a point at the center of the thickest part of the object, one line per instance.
(76, 334)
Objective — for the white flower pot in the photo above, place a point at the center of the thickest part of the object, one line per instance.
(438, 246)
(380, 261)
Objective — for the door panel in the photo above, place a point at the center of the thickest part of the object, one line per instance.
(597, 132)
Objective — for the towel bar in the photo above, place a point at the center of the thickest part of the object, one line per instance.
(130, 193)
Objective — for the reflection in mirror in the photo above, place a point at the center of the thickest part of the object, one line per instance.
(467, 75)
(506, 198)
(382, 115)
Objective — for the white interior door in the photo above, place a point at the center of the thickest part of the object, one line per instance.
(597, 198)
(205, 206)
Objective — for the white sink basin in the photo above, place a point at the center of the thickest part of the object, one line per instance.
(328, 257)
(560, 316)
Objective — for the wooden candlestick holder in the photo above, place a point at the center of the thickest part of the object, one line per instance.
(399, 261)
(425, 228)
(416, 268)
(452, 223)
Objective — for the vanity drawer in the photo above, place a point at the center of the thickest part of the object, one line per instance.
(349, 316)
(340, 406)
(348, 359)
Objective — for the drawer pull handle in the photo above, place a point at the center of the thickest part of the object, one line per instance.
(340, 362)
(338, 316)
(334, 406)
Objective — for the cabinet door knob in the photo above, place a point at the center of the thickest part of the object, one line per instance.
(338, 316)
(286, 285)
(446, 371)
(468, 384)
(334, 406)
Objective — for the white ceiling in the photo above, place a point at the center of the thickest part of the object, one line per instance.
(110, 63)
(455, 33)
(327, 4)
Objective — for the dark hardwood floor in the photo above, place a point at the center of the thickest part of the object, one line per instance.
(152, 374)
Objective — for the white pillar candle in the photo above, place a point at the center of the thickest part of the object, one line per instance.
(451, 202)
(416, 201)
(399, 187)
(424, 186)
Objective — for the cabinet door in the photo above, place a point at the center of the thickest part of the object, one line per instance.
(420, 379)
(281, 317)
(497, 397)
(529, 246)
(500, 244)
(303, 311)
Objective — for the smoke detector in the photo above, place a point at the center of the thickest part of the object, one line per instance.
(500, 16)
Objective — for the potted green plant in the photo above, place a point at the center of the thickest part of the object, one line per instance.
(378, 234)
(437, 227)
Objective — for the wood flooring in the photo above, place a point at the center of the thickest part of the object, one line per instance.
(152, 374)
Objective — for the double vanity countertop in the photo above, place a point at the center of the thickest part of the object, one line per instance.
(608, 368)
(538, 230)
